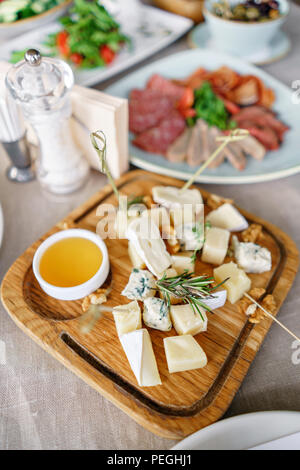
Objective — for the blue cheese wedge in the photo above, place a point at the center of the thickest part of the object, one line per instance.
(138, 349)
(252, 258)
(156, 314)
(186, 321)
(237, 283)
(215, 246)
(127, 317)
(141, 285)
(227, 217)
(184, 353)
(146, 238)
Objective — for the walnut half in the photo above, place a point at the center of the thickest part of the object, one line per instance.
(252, 233)
(96, 298)
(254, 313)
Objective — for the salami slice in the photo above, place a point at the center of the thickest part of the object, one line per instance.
(165, 86)
(159, 138)
(146, 114)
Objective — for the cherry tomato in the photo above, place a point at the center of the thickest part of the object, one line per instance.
(186, 113)
(76, 58)
(62, 43)
(187, 99)
(107, 54)
(231, 107)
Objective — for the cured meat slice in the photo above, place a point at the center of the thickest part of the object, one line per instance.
(158, 139)
(252, 147)
(144, 115)
(213, 133)
(165, 86)
(236, 156)
(265, 135)
(177, 151)
(195, 151)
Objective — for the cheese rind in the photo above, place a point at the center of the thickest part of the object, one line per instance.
(127, 317)
(237, 284)
(217, 300)
(183, 262)
(184, 353)
(156, 314)
(252, 258)
(227, 217)
(138, 349)
(141, 285)
(186, 321)
(215, 246)
(145, 236)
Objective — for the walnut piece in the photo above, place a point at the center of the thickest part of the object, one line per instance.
(96, 298)
(148, 201)
(214, 201)
(252, 233)
(254, 313)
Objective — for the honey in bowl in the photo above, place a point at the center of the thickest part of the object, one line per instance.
(70, 262)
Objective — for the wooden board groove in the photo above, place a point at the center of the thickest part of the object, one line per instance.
(185, 402)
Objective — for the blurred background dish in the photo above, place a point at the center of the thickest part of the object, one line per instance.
(189, 8)
(12, 29)
(243, 38)
(1, 225)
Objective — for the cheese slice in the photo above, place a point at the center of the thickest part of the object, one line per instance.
(186, 321)
(237, 284)
(184, 353)
(215, 246)
(138, 349)
(170, 197)
(217, 300)
(227, 217)
(145, 236)
(135, 258)
(159, 215)
(127, 317)
(183, 262)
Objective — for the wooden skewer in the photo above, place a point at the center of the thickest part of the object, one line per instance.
(272, 316)
(234, 136)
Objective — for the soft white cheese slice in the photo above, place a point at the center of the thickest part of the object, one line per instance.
(215, 246)
(186, 322)
(171, 197)
(252, 258)
(183, 262)
(127, 317)
(141, 285)
(156, 314)
(217, 301)
(159, 215)
(145, 236)
(227, 217)
(135, 258)
(138, 349)
(184, 353)
(237, 284)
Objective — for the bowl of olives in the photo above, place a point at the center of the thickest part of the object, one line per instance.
(244, 27)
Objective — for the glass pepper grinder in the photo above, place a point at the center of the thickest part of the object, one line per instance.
(42, 87)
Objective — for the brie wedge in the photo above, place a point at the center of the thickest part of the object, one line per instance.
(237, 284)
(227, 217)
(135, 258)
(159, 215)
(127, 317)
(156, 314)
(145, 236)
(141, 285)
(184, 353)
(252, 258)
(217, 300)
(215, 245)
(171, 197)
(138, 349)
(186, 321)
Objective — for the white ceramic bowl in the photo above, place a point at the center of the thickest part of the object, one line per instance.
(11, 30)
(77, 292)
(242, 38)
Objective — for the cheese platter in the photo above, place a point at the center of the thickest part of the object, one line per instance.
(136, 364)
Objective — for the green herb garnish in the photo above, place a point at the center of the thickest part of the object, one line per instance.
(191, 290)
(199, 236)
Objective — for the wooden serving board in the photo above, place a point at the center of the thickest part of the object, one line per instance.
(186, 401)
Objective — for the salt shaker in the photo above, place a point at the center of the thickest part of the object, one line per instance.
(42, 87)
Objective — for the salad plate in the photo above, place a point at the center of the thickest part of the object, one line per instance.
(244, 431)
(279, 163)
(149, 31)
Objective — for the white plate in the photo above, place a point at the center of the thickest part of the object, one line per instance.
(1, 225)
(277, 49)
(243, 432)
(277, 164)
(157, 30)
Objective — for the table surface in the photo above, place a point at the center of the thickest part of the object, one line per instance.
(45, 406)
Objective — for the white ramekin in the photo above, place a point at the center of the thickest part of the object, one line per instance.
(80, 291)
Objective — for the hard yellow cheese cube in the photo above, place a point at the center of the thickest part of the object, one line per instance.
(183, 262)
(215, 246)
(184, 353)
(238, 283)
(186, 321)
(127, 317)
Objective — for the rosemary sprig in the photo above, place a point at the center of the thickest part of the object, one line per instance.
(191, 290)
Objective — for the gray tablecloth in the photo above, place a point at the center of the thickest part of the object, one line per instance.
(45, 406)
